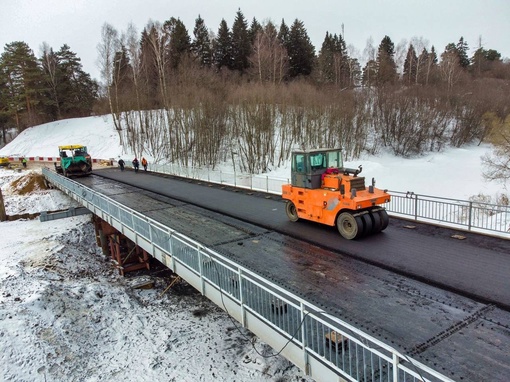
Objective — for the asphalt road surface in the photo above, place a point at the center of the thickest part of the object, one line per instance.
(441, 300)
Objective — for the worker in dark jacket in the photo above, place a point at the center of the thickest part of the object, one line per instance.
(136, 164)
(121, 164)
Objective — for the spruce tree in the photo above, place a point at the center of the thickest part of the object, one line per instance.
(180, 42)
(386, 67)
(201, 45)
(325, 60)
(241, 44)
(341, 59)
(333, 61)
(255, 28)
(462, 52)
(283, 34)
(300, 50)
(222, 50)
(355, 72)
(369, 76)
(49, 62)
(122, 82)
(149, 68)
(410, 66)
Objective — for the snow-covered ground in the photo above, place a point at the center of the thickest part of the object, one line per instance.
(66, 314)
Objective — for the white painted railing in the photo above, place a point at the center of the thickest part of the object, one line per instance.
(322, 345)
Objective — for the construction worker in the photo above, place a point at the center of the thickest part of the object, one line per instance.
(24, 161)
(144, 164)
(121, 164)
(136, 164)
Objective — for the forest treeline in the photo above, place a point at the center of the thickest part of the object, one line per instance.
(251, 92)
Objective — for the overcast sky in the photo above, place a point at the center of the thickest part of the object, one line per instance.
(78, 23)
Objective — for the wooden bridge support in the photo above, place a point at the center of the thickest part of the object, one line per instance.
(127, 255)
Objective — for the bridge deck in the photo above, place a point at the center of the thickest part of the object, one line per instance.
(460, 337)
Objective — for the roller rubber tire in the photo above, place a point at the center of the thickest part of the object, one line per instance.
(291, 211)
(350, 227)
(367, 224)
(376, 221)
(385, 219)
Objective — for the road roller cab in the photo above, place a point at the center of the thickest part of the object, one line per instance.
(324, 191)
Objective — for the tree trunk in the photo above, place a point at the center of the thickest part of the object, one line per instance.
(3, 215)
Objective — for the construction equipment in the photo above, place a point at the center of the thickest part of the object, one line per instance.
(324, 191)
(74, 161)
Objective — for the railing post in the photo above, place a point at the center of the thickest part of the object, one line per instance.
(267, 183)
(235, 179)
(171, 250)
(241, 299)
(395, 367)
(470, 215)
(200, 270)
(415, 207)
(303, 339)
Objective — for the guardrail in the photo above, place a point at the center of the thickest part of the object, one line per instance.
(463, 214)
(322, 345)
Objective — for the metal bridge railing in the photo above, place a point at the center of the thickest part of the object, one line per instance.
(322, 345)
(469, 215)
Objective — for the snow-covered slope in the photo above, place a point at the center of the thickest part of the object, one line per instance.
(97, 133)
(454, 173)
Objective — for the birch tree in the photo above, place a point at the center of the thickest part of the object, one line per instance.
(107, 49)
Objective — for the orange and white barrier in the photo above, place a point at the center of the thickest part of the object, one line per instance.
(54, 159)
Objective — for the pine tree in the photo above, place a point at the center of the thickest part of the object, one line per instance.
(24, 82)
(241, 45)
(222, 51)
(77, 91)
(300, 50)
(201, 45)
(5, 121)
(483, 60)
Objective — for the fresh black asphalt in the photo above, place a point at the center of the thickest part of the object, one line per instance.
(477, 267)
